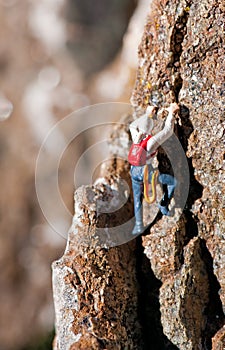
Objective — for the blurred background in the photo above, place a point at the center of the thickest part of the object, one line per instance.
(56, 56)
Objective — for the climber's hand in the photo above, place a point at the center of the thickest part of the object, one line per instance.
(173, 108)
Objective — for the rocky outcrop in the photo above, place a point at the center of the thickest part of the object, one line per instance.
(95, 288)
(168, 287)
(181, 57)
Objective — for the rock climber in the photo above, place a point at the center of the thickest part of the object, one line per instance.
(141, 154)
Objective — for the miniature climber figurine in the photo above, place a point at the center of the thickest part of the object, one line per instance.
(140, 156)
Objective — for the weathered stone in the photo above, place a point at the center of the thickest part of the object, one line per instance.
(182, 59)
(95, 288)
(218, 341)
(184, 298)
(163, 246)
(91, 311)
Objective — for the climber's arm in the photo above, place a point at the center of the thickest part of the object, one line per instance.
(166, 132)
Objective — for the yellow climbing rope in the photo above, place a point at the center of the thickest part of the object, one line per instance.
(150, 199)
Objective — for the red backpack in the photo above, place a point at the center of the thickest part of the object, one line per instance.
(138, 153)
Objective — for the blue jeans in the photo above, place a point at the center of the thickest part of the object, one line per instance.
(137, 174)
(169, 184)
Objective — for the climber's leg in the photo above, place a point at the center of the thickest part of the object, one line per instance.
(137, 186)
(169, 184)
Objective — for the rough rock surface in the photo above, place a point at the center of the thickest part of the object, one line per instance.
(175, 288)
(95, 289)
(181, 59)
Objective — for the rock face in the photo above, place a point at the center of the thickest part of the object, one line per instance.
(168, 288)
(181, 59)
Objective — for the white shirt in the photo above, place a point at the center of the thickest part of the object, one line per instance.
(143, 126)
